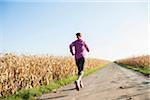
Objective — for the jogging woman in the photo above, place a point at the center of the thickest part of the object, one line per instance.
(80, 48)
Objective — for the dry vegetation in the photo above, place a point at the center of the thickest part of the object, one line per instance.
(23, 72)
(141, 61)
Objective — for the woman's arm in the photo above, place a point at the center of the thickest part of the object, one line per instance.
(87, 48)
(71, 48)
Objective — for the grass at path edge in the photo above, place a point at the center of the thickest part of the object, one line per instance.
(144, 71)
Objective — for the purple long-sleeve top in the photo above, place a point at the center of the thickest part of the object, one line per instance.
(80, 47)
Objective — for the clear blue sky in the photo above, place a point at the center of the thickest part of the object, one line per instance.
(112, 29)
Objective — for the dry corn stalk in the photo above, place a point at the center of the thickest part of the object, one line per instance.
(23, 72)
(141, 61)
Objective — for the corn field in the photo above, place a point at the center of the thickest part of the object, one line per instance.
(23, 72)
(140, 61)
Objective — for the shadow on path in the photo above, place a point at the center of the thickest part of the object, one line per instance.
(55, 97)
(68, 89)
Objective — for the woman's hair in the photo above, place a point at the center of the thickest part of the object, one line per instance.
(78, 34)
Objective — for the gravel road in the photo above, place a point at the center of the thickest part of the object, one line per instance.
(113, 82)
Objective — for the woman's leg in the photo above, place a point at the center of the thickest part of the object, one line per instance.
(81, 68)
(80, 65)
(81, 72)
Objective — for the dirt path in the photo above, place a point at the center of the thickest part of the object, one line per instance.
(110, 83)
